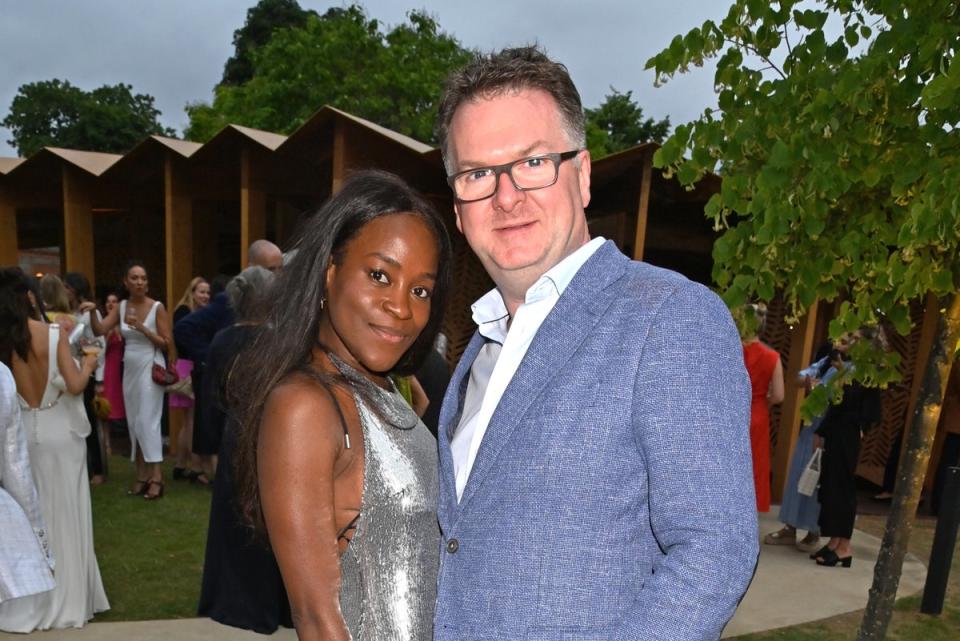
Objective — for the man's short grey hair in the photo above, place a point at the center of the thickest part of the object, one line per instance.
(506, 71)
(246, 288)
(258, 249)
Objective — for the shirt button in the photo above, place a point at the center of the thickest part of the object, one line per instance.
(452, 546)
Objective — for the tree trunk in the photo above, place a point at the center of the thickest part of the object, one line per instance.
(913, 466)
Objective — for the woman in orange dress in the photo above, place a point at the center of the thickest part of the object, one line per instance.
(766, 381)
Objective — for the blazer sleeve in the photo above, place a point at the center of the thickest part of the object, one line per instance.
(691, 417)
(16, 477)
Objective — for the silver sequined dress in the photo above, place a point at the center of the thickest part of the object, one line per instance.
(389, 570)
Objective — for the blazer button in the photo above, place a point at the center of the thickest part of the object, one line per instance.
(452, 546)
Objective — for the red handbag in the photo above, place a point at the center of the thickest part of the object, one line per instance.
(164, 375)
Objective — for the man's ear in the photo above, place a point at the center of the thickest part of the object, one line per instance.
(456, 210)
(583, 175)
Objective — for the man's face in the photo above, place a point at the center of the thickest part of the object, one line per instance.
(519, 235)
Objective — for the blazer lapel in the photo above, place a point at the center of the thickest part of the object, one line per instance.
(579, 308)
(450, 413)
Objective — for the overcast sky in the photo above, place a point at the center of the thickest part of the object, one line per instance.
(174, 50)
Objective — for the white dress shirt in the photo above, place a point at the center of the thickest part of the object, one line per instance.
(490, 374)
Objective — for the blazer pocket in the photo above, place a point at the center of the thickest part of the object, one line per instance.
(570, 634)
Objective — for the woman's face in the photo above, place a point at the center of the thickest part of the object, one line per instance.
(201, 294)
(378, 297)
(111, 302)
(136, 281)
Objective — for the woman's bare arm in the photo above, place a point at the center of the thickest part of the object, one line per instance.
(300, 438)
(101, 327)
(165, 334)
(775, 393)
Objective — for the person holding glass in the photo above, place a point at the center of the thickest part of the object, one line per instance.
(145, 327)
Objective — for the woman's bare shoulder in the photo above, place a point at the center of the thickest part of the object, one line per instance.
(300, 402)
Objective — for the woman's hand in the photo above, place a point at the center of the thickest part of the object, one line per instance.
(87, 306)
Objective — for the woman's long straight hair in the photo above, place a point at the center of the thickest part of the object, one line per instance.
(292, 309)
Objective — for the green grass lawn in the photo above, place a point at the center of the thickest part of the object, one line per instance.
(150, 552)
(151, 559)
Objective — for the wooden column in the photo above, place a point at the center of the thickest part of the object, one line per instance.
(77, 222)
(9, 250)
(178, 229)
(253, 201)
(339, 156)
(801, 348)
(640, 236)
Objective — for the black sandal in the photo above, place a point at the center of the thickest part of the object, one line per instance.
(158, 495)
(200, 478)
(139, 488)
(821, 552)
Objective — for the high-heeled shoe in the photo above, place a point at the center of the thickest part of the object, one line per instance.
(157, 495)
(138, 489)
(820, 552)
(831, 559)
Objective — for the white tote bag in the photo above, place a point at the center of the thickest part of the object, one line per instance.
(807, 484)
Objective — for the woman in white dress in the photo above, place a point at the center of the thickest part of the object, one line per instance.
(48, 383)
(145, 327)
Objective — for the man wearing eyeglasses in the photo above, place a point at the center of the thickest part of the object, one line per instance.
(595, 465)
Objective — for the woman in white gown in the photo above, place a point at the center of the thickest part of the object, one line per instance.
(48, 383)
(145, 327)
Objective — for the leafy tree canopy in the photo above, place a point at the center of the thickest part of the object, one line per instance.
(346, 60)
(839, 156)
(618, 124)
(262, 20)
(841, 160)
(55, 113)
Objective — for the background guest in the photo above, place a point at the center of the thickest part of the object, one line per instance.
(78, 292)
(241, 586)
(799, 511)
(193, 334)
(145, 327)
(113, 375)
(196, 296)
(57, 302)
(842, 429)
(49, 382)
(766, 382)
(26, 563)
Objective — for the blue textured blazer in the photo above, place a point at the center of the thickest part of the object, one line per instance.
(612, 496)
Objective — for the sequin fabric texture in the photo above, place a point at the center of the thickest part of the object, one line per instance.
(389, 570)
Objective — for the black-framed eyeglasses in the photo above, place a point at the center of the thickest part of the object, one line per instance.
(526, 174)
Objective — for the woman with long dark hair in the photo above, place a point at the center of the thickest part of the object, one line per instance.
(330, 459)
(48, 386)
(145, 327)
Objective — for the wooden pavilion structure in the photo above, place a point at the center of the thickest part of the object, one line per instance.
(187, 209)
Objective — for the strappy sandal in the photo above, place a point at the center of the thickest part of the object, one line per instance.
(139, 488)
(157, 495)
(783, 536)
(200, 478)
